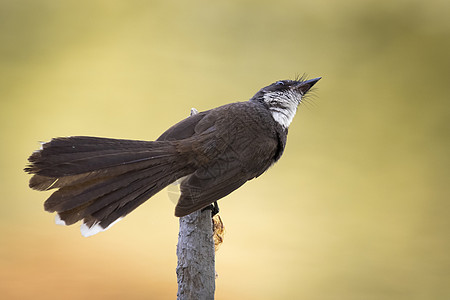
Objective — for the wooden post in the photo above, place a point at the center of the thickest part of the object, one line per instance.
(196, 255)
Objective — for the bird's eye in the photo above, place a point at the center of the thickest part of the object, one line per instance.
(279, 83)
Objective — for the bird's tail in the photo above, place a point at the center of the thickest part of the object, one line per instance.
(101, 180)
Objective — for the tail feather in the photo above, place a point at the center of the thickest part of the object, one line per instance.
(56, 165)
(43, 183)
(73, 195)
(101, 180)
(77, 155)
(120, 208)
(78, 144)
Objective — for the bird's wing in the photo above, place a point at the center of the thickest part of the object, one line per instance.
(183, 129)
(209, 184)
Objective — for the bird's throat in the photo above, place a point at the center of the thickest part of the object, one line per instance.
(283, 116)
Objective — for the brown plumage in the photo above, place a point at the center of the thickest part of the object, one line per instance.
(100, 180)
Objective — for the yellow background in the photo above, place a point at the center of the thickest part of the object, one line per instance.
(358, 206)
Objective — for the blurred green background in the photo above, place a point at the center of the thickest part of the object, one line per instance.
(358, 207)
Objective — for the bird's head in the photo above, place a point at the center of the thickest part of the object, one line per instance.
(283, 97)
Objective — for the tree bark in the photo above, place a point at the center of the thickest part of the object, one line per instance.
(196, 255)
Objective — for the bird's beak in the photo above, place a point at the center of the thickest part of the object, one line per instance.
(305, 86)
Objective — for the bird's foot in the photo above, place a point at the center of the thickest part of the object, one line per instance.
(214, 207)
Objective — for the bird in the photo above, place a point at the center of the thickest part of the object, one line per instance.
(101, 180)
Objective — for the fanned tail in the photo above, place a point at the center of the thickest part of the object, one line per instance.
(101, 180)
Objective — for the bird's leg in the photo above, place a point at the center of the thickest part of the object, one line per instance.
(214, 207)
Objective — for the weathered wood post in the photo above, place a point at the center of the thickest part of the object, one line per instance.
(196, 257)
